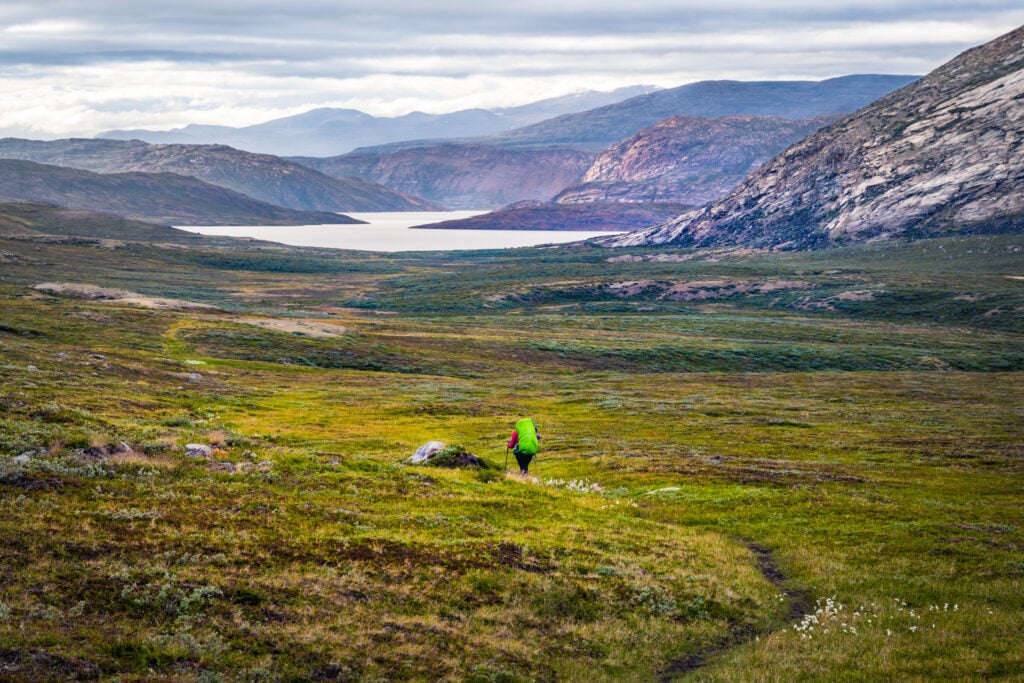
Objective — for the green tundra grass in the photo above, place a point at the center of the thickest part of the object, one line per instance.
(754, 466)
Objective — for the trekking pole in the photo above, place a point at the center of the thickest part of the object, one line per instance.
(506, 459)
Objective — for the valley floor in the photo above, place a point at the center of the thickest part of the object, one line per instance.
(753, 466)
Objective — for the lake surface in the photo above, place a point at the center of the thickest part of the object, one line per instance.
(391, 231)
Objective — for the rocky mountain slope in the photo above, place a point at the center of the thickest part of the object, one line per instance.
(464, 176)
(537, 162)
(262, 176)
(328, 132)
(943, 155)
(686, 159)
(599, 128)
(165, 198)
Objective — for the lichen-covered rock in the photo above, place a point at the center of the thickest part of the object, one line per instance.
(436, 454)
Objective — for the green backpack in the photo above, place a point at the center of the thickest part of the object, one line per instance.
(528, 441)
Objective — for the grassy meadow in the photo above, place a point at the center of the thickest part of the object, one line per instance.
(754, 467)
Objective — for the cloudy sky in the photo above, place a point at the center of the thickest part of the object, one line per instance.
(70, 67)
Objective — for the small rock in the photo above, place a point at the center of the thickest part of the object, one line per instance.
(221, 466)
(265, 466)
(194, 377)
(95, 453)
(124, 447)
(24, 457)
(62, 356)
(31, 368)
(664, 490)
(198, 450)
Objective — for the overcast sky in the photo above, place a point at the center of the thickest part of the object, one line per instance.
(77, 68)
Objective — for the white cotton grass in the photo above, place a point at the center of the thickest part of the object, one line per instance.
(833, 617)
(587, 486)
(577, 485)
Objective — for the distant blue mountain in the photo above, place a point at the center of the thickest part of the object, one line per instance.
(601, 127)
(328, 132)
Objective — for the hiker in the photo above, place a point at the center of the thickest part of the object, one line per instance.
(524, 444)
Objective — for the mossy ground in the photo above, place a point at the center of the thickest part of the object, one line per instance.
(864, 426)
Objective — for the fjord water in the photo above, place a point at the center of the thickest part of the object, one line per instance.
(393, 231)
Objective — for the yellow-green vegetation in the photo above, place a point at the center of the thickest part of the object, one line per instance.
(753, 466)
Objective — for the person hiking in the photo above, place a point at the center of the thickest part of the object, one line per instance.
(525, 442)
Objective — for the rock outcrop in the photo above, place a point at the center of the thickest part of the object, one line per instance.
(941, 156)
(686, 159)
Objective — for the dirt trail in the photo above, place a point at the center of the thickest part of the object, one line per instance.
(798, 602)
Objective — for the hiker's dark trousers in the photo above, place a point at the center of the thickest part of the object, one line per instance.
(522, 459)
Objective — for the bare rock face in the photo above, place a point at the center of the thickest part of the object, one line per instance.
(941, 156)
(687, 159)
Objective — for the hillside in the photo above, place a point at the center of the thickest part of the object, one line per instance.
(264, 177)
(330, 131)
(30, 219)
(165, 198)
(941, 156)
(612, 217)
(599, 128)
(468, 176)
(686, 159)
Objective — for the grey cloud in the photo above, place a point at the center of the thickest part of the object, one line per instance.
(316, 52)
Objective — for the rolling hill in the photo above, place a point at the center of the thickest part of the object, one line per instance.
(164, 198)
(264, 177)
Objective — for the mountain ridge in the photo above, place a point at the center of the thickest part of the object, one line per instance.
(599, 128)
(488, 177)
(327, 131)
